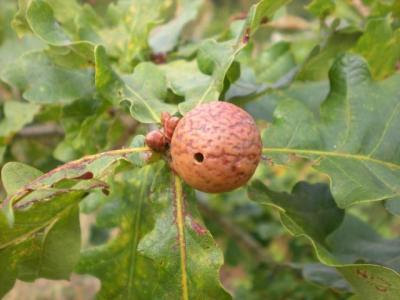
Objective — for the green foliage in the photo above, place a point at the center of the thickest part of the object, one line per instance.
(15, 175)
(166, 37)
(356, 133)
(379, 37)
(44, 82)
(145, 94)
(81, 82)
(132, 265)
(339, 240)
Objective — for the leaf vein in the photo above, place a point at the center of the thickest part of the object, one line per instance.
(381, 180)
(152, 112)
(385, 129)
(345, 173)
(333, 154)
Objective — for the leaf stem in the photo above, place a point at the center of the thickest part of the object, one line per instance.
(180, 222)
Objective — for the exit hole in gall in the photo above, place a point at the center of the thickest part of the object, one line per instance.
(198, 157)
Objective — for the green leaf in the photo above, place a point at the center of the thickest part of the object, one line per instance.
(165, 37)
(274, 68)
(7, 279)
(51, 252)
(44, 82)
(44, 239)
(95, 166)
(261, 12)
(355, 139)
(40, 17)
(162, 250)
(107, 81)
(66, 11)
(58, 249)
(373, 282)
(2, 151)
(199, 259)
(221, 55)
(128, 39)
(393, 206)
(322, 56)
(145, 94)
(129, 273)
(17, 115)
(48, 20)
(139, 159)
(245, 87)
(185, 79)
(380, 46)
(324, 275)
(364, 258)
(311, 207)
(274, 63)
(312, 94)
(15, 175)
(321, 7)
(87, 124)
(86, 66)
(19, 23)
(11, 49)
(141, 17)
(378, 37)
(263, 105)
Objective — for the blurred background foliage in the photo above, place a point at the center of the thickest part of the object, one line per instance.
(298, 46)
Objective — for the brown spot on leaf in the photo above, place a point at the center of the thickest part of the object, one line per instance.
(199, 229)
(85, 176)
(381, 289)
(264, 20)
(239, 16)
(246, 36)
(362, 273)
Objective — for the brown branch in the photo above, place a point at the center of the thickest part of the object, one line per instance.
(361, 8)
(245, 240)
(38, 130)
(130, 126)
(289, 23)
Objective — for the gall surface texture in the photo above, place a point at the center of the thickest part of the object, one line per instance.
(216, 147)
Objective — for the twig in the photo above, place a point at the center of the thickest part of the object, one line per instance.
(361, 8)
(130, 126)
(289, 23)
(38, 130)
(246, 241)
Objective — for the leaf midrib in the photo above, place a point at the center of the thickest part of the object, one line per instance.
(344, 155)
(139, 97)
(180, 222)
(23, 191)
(387, 126)
(21, 238)
(236, 49)
(135, 240)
